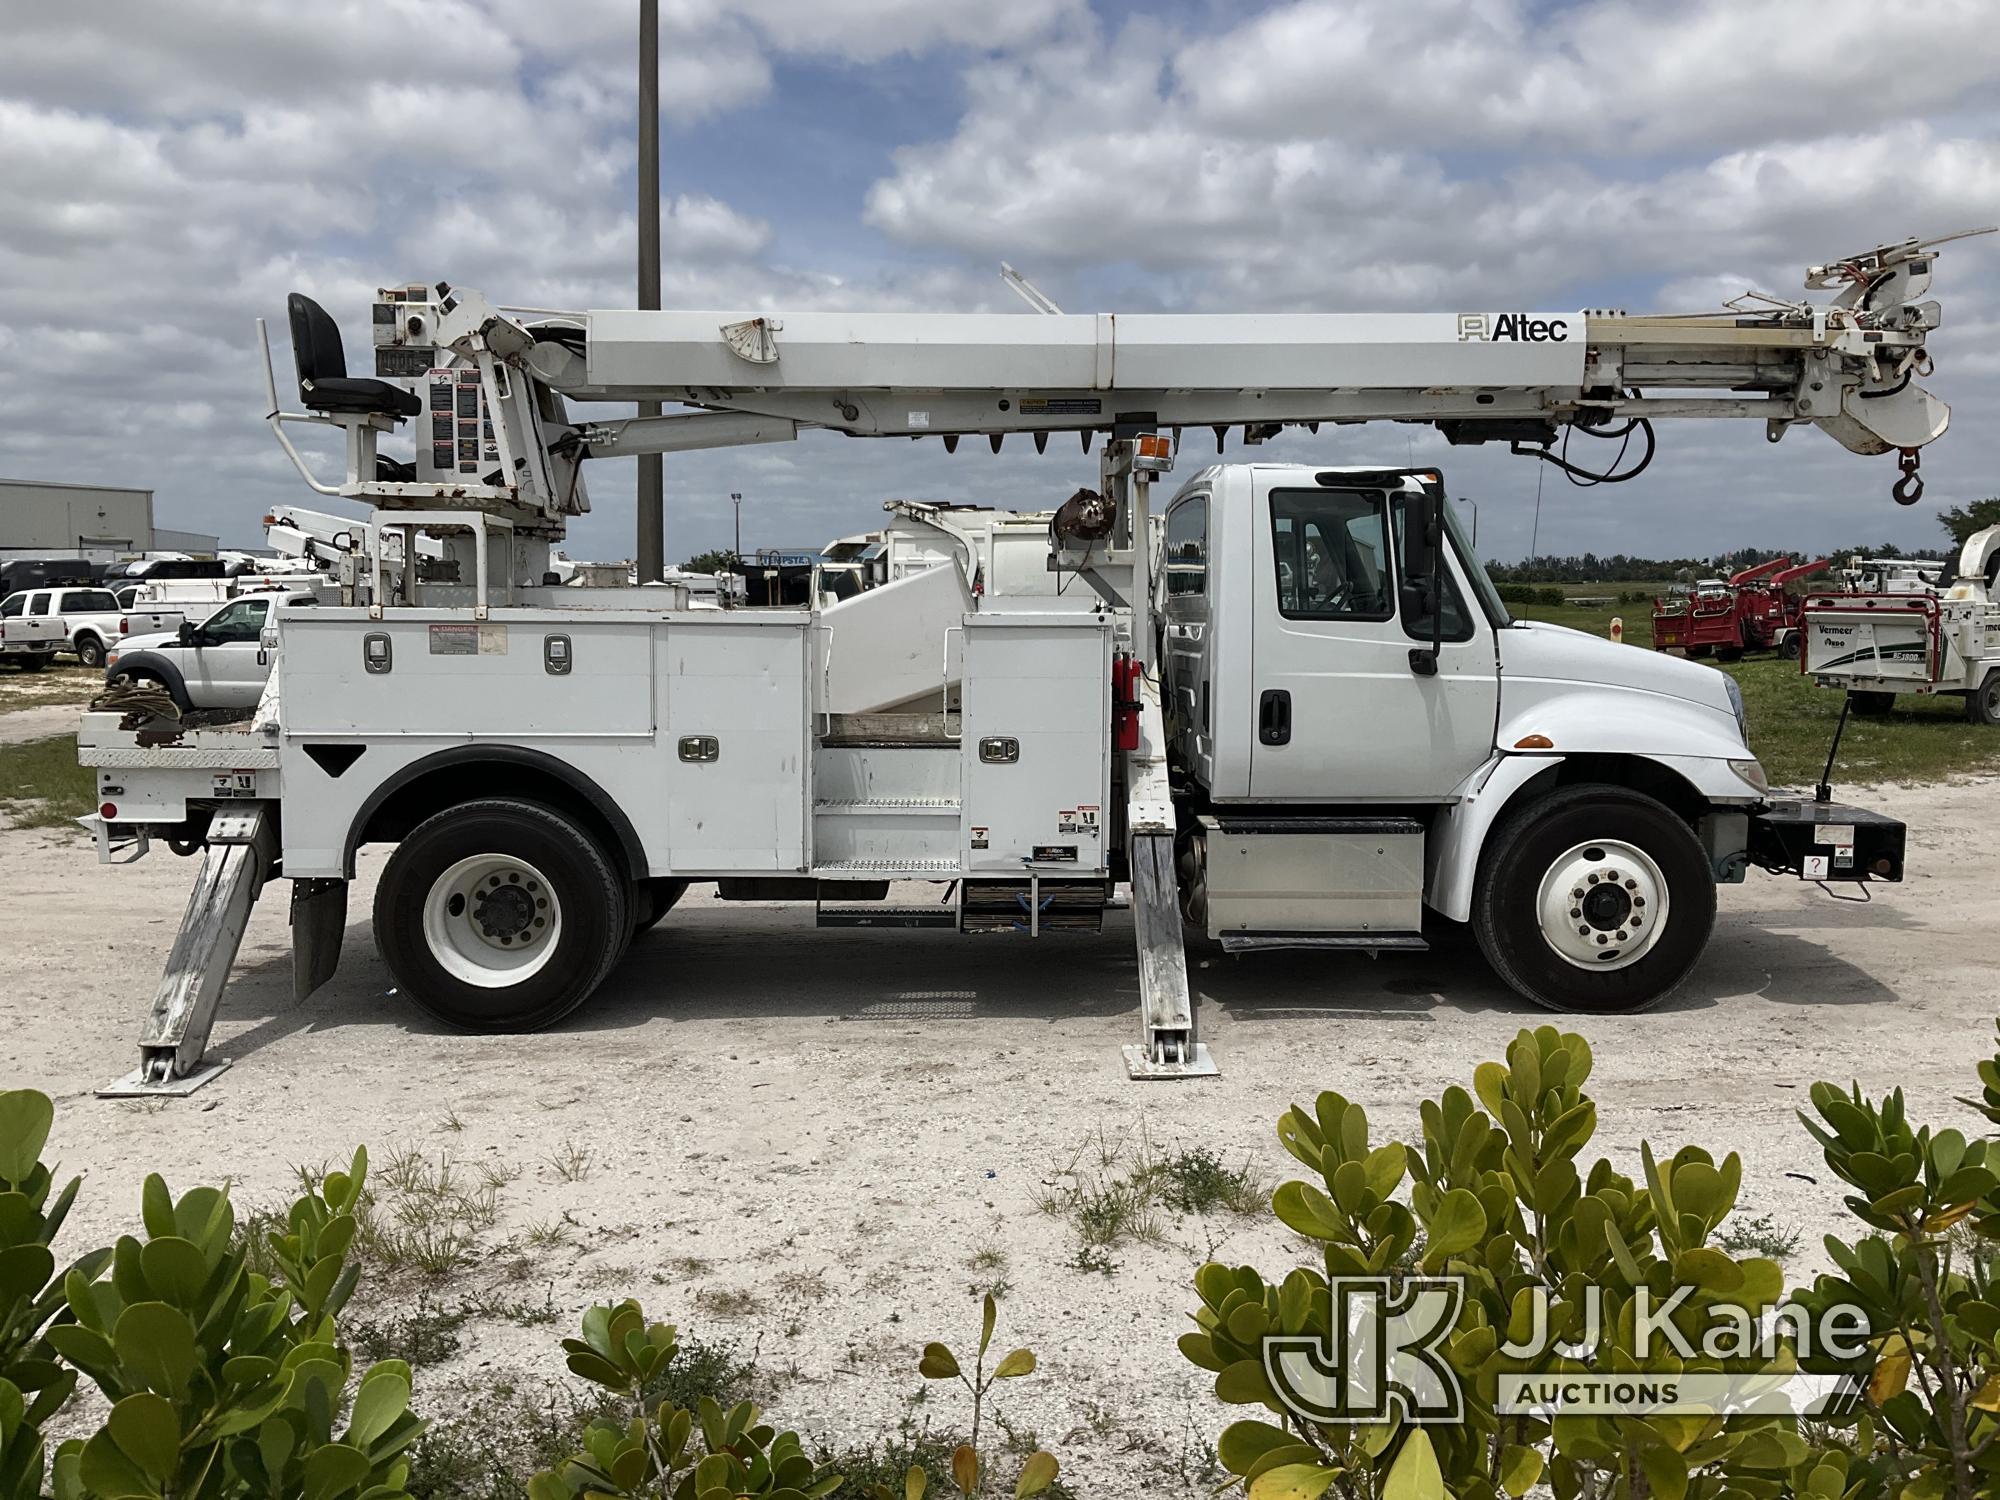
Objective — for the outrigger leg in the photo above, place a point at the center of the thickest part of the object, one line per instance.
(1168, 1048)
(172, 1042)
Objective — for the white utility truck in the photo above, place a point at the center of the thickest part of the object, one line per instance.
(1935, 636)
(1286, 706)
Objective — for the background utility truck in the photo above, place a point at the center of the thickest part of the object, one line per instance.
(1286, 706)
(1914, 637)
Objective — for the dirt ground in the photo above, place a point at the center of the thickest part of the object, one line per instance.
(836, 1124)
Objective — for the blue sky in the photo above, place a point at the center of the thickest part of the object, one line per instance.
(171, 169)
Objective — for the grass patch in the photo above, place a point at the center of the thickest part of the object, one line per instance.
(42, 786)
(60, 685)
(1762, 1235)
(1115, 1190)
(1792, 718)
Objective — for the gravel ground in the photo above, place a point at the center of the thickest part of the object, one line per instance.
(802, 1141)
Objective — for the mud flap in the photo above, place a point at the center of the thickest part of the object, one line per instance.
(319, 922)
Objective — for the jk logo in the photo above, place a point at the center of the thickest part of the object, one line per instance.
(1385, 1357)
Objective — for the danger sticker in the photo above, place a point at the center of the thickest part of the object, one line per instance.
(1077, 820)
(468, 640)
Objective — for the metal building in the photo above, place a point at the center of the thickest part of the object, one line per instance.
(43, 518)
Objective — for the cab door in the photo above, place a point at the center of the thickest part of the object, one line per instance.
(1344, 711)
(227, 666)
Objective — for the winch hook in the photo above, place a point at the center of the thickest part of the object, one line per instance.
(1910, 488)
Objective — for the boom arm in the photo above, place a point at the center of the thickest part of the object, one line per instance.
(1848, 367)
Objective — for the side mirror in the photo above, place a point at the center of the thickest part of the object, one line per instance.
(1426, 560)
(189, 634)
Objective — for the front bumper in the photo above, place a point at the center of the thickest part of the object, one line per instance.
(1826, 841)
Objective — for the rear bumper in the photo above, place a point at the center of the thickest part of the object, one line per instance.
(1826, 841)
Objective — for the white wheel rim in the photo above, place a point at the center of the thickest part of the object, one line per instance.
(492, 921)
(1602, 905)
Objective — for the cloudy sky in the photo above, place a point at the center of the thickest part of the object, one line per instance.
(169, 169)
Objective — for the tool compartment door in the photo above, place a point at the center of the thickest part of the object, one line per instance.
(1036, 744)
(740, 683)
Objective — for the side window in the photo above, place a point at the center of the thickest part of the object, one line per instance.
(241, 621)
(1332, 551)
(11, 605)
(39, 602)
(1415, 553)
(1187, 547)
(90, 601)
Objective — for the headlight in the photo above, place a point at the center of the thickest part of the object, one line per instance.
(1751, 772)
(1736, 707)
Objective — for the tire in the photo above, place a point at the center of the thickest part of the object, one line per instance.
(1699, 652)
(31, 663)
(500, 868)
(1788, 648)
(90, 651)
(1871, 705)
(652, 900)
(1982, 704)
(1592, 839)
(1729, 653)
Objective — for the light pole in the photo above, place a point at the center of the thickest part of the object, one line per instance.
(737, 500)
(652, 527)
(1466, 500)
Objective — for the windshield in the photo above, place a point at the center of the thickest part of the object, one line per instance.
(1489, 596)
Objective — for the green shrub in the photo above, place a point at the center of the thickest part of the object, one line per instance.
(1499, 1193)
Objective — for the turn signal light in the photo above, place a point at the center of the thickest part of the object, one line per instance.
(1534, 742)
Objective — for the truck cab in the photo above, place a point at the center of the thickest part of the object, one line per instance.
(1360, 732)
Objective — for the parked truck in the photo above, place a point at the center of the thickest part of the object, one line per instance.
(1286, 708)
(1754, 610)
(1940, 637)
(41, 622)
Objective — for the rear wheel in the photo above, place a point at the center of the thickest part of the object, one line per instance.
(31, 663)
(500, 915)
(1698, 652)
(1788, 648)
(1593, 899)
(1729, 653)
(1982, 704)
(90, 651)
(1871, 705)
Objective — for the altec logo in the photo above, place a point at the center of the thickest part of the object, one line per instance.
(1511, 328)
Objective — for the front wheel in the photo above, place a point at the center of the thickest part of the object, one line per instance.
(1982, 704)
(1594, 899)
(500, 915)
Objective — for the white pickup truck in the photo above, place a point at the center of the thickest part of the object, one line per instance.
(37, 623)
(219, 663)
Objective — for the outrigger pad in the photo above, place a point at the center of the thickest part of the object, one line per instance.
(135, 1085)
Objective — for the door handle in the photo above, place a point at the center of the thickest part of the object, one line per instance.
(1274, 717)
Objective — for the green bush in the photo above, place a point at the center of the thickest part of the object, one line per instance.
(1498, 1196)
(218, 1351)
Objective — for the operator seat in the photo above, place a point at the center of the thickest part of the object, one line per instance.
(324, 384)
